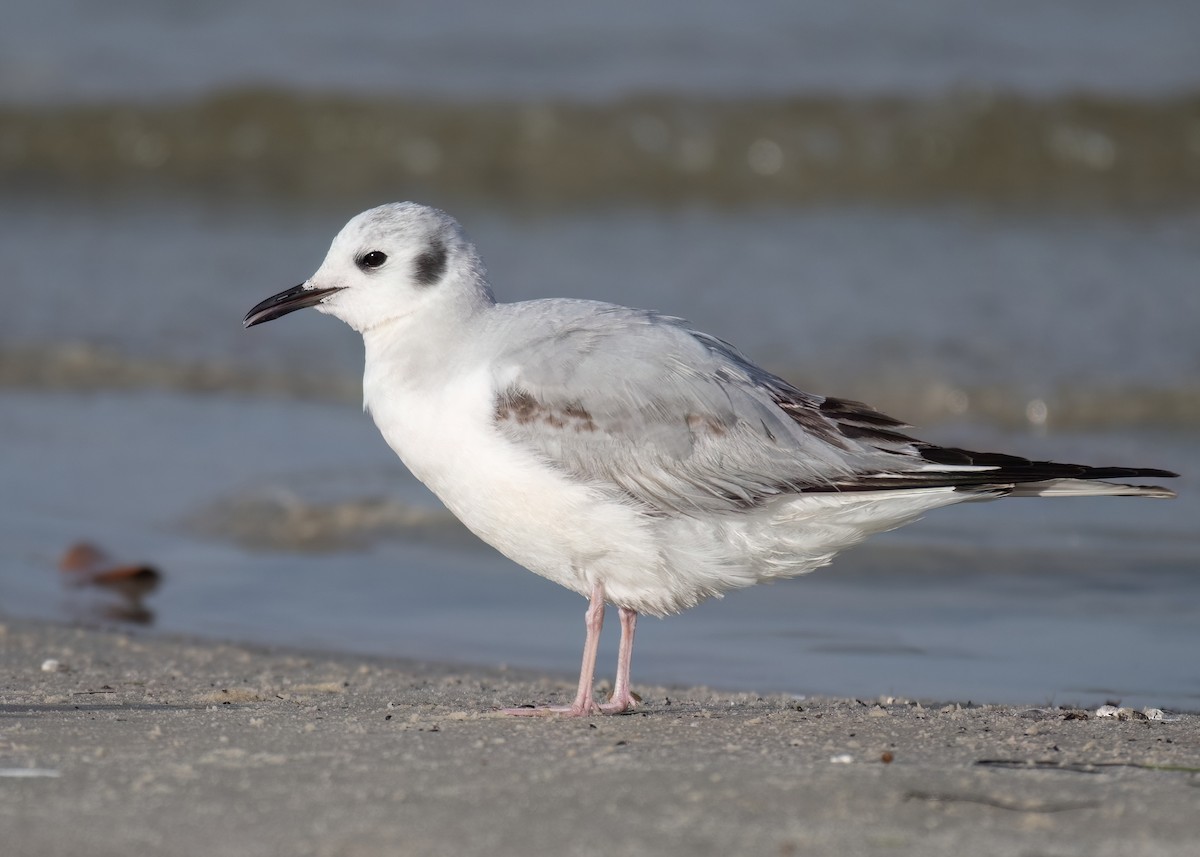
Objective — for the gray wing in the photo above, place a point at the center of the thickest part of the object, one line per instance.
(679, 421)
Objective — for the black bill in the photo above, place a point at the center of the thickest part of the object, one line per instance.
(293, 299)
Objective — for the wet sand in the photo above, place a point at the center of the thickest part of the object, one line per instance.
(137, 745)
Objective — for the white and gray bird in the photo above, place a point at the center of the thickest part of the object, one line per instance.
(619, 452)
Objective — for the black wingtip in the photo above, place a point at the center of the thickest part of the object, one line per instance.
(1014, 468)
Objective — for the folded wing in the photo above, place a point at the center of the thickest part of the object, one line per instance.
(677, 421)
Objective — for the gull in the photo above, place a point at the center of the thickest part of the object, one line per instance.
(623, 453)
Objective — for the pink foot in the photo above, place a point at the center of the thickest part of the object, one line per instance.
(624, 704)
(555, 710)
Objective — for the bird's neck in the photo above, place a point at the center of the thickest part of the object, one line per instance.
(423, 349)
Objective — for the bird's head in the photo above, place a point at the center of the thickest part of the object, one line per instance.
(389, 262)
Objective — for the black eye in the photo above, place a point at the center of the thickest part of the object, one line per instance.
(372, 260)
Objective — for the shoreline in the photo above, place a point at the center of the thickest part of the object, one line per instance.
(185, 747)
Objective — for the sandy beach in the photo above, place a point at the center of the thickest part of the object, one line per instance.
(144, 744)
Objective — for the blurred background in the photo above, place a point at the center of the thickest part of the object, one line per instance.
(980, 217)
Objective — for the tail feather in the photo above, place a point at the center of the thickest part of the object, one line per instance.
(1085, 488)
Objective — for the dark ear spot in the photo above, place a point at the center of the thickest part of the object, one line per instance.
(430, 265)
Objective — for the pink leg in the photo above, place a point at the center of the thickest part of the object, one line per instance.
(584, 703)
(622, 698)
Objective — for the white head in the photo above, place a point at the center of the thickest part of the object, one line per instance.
(389, 262)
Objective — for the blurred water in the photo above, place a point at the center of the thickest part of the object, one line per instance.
(159, 431)
(936, 311)
(980, 217)
(137, 413)
(1072, 151)
(73, 49)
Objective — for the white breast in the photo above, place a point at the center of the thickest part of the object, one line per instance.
(519, 504)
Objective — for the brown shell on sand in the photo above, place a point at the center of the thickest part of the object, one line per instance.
(89, 565)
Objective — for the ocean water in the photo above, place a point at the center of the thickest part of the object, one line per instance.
(73, 49)
(983, 220)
